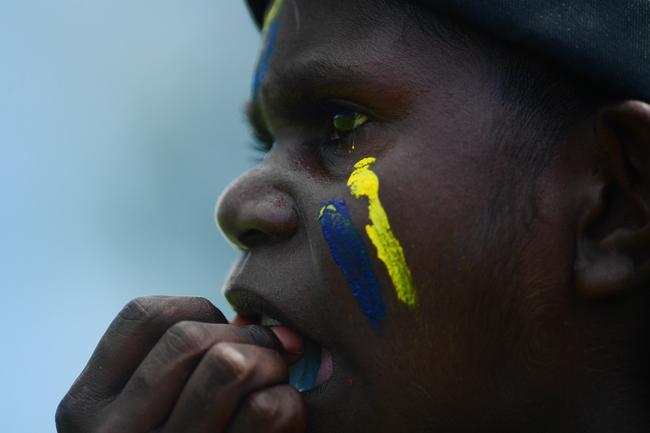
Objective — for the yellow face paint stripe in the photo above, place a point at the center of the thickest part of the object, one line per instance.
(329, 207)
(271, 15)
(363, 182)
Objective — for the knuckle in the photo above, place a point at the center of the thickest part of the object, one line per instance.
(290, 395)
(296, 416)
(203, 304)
(64, 416)
(264, 406)
(140, 316)
(141, 309)
(231, 363)
(279, 409)
(68, 415)
(78, 407)
(183, 337)
(206, 310)
(164, 309)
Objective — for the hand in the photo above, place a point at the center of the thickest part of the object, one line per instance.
(175, 365)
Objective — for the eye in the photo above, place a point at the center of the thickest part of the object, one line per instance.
(344, 124)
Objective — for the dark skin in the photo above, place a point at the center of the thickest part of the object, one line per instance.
(544, 332)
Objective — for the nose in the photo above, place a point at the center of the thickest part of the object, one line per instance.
(253, 212)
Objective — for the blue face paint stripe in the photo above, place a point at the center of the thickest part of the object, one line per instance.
(265, 60)
(350, 255)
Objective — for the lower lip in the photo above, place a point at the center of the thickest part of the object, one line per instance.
(326, 367)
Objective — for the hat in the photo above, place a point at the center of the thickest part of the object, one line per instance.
(605, 41)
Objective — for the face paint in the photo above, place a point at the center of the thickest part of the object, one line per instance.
(270, 32)
(363, 182)
(350, 254)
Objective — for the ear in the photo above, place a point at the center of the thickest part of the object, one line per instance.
(613, 254)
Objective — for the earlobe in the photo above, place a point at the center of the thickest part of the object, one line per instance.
(613, 245)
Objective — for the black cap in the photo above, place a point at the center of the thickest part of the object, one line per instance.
(605, 41)
(257, 8)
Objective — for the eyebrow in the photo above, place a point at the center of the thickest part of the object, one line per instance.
(313, 77)
(297, 84)
(287, 90)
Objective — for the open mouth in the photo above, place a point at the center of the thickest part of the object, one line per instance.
(313, 369)
(310, 364)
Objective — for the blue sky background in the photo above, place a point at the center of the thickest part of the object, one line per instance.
(120, 124)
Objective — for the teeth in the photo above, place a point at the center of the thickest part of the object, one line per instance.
(267, 321)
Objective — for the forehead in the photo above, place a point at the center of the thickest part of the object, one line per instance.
(361, 37)
(315, 24)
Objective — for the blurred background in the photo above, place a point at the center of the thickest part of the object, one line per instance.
(120, 124)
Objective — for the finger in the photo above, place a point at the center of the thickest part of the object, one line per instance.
(226, 374)
(241, 321)
(129, 338)
(138, 327)
(149, 395)
(271, 410)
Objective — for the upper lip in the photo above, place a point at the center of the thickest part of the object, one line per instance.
(248, 304)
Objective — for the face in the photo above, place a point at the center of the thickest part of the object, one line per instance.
(373, 227)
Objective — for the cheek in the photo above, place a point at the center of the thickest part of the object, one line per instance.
(364, 184)
(349, 251)
(434, 216)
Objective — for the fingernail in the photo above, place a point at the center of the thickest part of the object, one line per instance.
(241, 321)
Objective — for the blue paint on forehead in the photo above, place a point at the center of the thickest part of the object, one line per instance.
(350, 255)
(265, 59)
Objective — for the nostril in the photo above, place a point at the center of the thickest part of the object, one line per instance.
(252, 213)
(253, 237)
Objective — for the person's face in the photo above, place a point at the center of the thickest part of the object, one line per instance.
(479, 345)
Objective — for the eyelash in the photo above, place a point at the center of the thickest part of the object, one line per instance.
(337, 136)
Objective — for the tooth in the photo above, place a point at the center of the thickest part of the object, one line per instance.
(267, 321)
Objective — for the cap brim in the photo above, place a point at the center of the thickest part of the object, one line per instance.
(257, 8)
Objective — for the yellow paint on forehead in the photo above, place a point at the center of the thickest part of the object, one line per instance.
(271, 15)
(363, 182)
